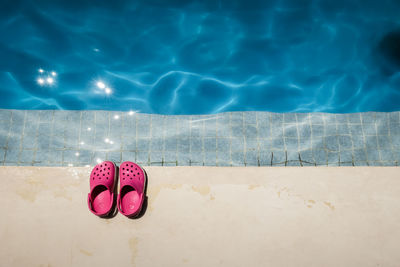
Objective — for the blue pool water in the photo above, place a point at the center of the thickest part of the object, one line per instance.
(201, 57)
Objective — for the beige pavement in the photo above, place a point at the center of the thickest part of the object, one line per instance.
(206, 216)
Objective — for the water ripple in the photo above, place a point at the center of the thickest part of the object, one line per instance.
(201, 57)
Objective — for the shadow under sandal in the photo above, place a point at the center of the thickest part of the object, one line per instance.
(132, 186)
(102, 182)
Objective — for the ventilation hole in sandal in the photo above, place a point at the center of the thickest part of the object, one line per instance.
(97, 169)
(93, 178)
(123, 168)
(108, 167)
(135, 169)
(138, 173)
(131, 171)
(108, 174)
(131, 166)
(134, 175)
(101, 165)
(97, 174)
(103, 174)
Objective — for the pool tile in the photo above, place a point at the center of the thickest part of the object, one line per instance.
(264, 144)
(371, 142)
(196, 144)
(330, 129)
(356, 129)
(142, 157)
(55, 156)
(320, 157)
(289, 118)
(184, 145)
(369, 129)
(386, 155)
(248, 135)
(276, 120)
(292, 155)
(395, 141)
(223, 145)
(359, 155)
(343, 129)
(251, 144)
(316, 118)
(304, 131)
(290, 130)
(210, 158)
(395, 129)
(318, 130)
(237, 131)
(265, 158)
(384, 142)
(237, 158)
(305, 143)
(197, 158)
(250, 117)
(224, 155)
(277, 143)
(128, 156)
(129, 144)
(264, 131)
(250, 131)
(237, 144)
(341, 118)
(278, 157)
(252, 158)
(333, 157)
(373, 155)
(143, 144)
(394, 118)
(307, 156)
(114, 156)
(156, 144)
(170, 144)
(345, 142)
(156, 157)
(354, 118)
(5, 115)
(331, 143)
(291, 144)
(346, 156)
(293, 163)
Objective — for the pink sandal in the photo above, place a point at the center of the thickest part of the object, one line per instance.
(102, 183)
(132, 186)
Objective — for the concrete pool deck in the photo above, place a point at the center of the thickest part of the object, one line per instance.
(206, 216)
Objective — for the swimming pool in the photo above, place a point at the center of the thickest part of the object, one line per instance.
(200, 57)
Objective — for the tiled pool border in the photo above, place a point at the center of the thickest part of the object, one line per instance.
(81, 138)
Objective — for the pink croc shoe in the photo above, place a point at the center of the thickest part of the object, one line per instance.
(132, 189)
(102, 183)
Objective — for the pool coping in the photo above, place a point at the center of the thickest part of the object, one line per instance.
(81, 138)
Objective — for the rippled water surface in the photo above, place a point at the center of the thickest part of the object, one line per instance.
(201, 57)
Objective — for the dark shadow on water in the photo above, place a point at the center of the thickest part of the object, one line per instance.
(389, 52)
